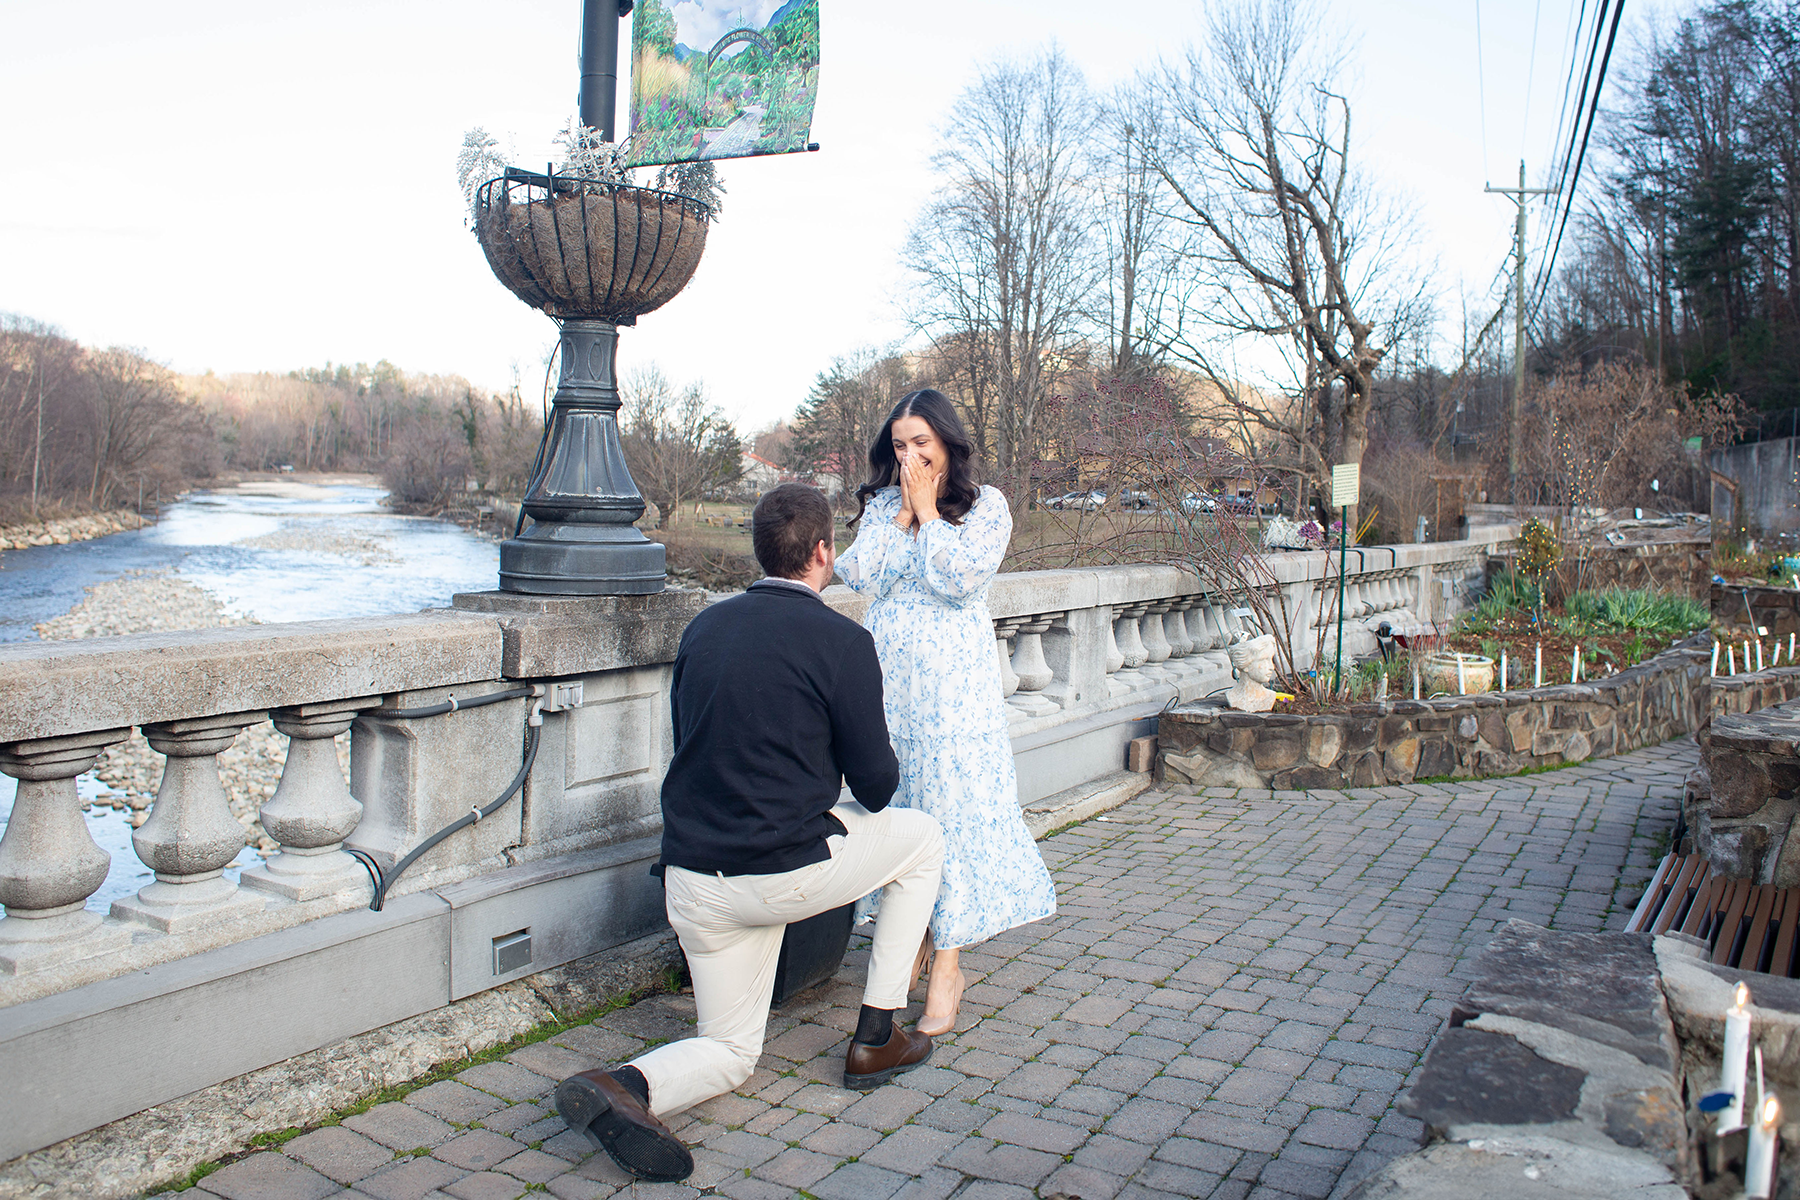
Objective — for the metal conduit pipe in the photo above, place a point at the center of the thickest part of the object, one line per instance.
(383, 881)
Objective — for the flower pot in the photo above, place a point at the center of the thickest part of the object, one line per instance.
(1438, 673)
(577, 249)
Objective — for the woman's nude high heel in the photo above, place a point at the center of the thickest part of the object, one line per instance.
(943, 1022)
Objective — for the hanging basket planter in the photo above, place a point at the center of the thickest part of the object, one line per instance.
(586, 249)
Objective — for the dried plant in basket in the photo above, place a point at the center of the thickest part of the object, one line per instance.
(581, 241)
(596, 250)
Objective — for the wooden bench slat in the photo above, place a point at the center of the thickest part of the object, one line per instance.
(1688, 879)
(1754, 941)
(1700, 915)
(1732, 924)
(1653, 900)
(1782, 962)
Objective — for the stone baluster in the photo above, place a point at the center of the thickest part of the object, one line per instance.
(1156, 641)
(312, 811)
(1181, 642)
(1131, 643)
(1360, 605)
(1028, 655)
(1376, 593)
(1325, 610)
(191, 835)
(1003, 633)
(49, 862)
(1228, 624)
(1209, 634)
(1115, 657)
(1033, 670)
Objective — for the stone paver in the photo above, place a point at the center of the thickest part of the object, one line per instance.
(1236, 986)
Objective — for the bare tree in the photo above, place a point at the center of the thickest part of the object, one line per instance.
(138, 422)
(1004, 254)
(678, 445)
(1294, 266)
(1139, 243)
(837, 422)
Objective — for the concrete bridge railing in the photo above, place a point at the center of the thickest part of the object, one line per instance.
(224, 978)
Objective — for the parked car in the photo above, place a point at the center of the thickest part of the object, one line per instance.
(1132, 498)
(1083, 501)
(1199, 502)
(1238, 504)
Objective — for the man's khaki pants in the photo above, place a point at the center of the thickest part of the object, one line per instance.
(731, 927)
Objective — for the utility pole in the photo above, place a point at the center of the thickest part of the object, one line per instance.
(1518, 194)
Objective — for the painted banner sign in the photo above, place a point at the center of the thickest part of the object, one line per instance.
(721, 78)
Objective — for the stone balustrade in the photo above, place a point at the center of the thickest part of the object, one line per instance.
(1088, 658)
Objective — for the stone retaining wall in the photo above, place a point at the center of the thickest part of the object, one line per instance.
(1398, 741)
(1741, 804)
(1570, 1068)
(1683, 567)
(1777, 609)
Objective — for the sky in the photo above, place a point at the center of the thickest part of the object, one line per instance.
(234, 186)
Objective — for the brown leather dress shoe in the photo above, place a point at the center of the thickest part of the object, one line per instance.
(871, 1066)
(596, 1104)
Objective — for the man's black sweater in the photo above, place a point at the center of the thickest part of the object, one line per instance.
(775, 698)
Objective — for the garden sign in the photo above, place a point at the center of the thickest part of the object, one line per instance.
(721, 78)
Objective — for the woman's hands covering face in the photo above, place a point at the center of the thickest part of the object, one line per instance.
(919, 484)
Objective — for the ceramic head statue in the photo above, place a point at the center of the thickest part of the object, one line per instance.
(1253, 662)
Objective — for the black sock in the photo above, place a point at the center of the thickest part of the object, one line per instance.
(874, 1026)
(633, 1081)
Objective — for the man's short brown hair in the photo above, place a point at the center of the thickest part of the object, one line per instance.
(786, 524)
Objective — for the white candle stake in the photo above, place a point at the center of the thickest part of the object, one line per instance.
(1746, 656)
(1537, 671)
(1415, 681)
(1503, 670)
(1759, 662)
(1462, 683)
(1735, 1062)
(1759, 1155)
(1575, 664)
(1715, 666)
(1730, 660)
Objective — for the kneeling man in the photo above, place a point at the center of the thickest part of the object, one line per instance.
(775, 698)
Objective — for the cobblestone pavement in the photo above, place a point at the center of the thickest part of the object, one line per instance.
(1237, 986)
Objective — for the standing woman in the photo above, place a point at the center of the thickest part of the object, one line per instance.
(928, 544)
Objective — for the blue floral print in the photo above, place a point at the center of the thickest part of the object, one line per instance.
(945, 713)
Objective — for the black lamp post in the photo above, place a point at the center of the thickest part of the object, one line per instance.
(572, 248)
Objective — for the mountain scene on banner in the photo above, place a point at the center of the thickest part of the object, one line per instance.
(722, 78)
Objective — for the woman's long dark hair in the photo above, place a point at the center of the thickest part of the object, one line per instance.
(960, 490)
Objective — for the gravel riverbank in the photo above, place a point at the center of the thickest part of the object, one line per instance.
(60, 531)
(159, 602)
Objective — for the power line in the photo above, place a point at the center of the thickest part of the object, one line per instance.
(1581, 156)
(1530, 74)
(1568, 117)
(1571, 40)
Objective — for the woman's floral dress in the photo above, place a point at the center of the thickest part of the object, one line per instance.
(945, 712)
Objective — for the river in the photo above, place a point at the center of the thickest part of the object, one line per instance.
(275, 551)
